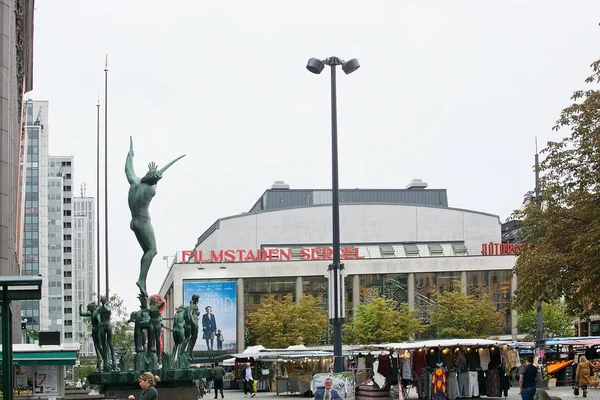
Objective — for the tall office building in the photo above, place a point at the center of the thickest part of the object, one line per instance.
(60, 246)
(16, 62)
(82, 269)
(34, 161)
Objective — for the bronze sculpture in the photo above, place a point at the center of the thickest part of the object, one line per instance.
(141, 192)
(192, 314)
(92, 311)
(105, 334)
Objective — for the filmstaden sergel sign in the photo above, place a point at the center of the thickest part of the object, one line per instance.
(242, 255)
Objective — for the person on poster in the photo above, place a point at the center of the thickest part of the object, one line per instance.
(328, 393)
(209, 328)
(219, 337)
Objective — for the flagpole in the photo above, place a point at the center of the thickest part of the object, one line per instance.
(98, 268)
(106, 176)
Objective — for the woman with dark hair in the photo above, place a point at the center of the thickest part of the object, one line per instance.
(147, 381)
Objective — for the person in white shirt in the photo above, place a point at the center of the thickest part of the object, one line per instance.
(248, 381)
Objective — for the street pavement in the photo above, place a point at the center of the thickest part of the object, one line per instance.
(564, 392)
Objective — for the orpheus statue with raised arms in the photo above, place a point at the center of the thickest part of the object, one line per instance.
(141, 192)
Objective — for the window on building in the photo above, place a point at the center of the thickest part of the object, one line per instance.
(68, 335)
(66, 188)
(66, 225)
(67, 274)
(411, 250)
(66, 249)
(67, 176)
(67, 200)
(68, 310)
(66, 237)
(68, 322)
(387, 251)
(67, 286)
(435, 249)
(459, 249)
(66, 213)
(67, 261)
(68, 298)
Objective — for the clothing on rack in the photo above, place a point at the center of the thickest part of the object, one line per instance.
(482, 382)
(460, 360)
(385, 368)
(448, 358)
(484, 358)
(463, 385)
(378, 378)
(406, 369)
(493, 383)
(452, 385)
(433, 357)
(473, 384)
(504, 381)
(423, 385)
(418, 362)
(395, 368)
(361, 363)
(439, 383)
(495, 357)
(473, 362)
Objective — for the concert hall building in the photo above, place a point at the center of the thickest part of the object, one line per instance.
(404, 244)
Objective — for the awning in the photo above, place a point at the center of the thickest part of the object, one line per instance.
(33, 354)
(558, 365)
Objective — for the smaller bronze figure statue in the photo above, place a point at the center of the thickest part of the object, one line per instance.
(155, 327)
(105, 334)
(141, 192)
(92, 311)
(179, 333)
(192, 315)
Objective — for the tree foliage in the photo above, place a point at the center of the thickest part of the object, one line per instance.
(459, 315)
(562, 225)
(382, 321)
(279, 324)
(558, 321)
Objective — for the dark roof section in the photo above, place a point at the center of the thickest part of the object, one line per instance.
(277, 199)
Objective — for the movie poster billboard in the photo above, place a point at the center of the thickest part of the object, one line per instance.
(333, 386)
(217, 329)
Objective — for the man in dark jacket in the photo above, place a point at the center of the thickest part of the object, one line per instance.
(217, 374)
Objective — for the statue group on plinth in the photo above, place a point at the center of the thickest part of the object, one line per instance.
(148, 323)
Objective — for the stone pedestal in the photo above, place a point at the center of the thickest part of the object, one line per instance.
(174, 383)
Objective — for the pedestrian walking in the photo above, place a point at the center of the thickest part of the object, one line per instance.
(217, 374)
(248, 381)
(147, 381)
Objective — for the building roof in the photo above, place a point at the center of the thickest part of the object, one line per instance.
(282, 198)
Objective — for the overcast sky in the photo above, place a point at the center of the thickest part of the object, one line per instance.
(452, 92)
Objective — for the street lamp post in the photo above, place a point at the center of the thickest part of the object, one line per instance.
(335, 270)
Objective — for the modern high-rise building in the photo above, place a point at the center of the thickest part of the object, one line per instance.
(34, 159)
(60, 246)
(16, 62)
(82, 269)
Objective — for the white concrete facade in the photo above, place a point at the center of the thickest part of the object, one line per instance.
(364, 226)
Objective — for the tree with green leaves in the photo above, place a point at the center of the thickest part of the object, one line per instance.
(459, 315)
(558, 320)
(382, 321)
(562, 224)
(279, 324)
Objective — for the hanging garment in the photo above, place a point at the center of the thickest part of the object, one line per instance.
(439, 384)
(378, 378)
(385, 368)
(460, 361)
(473, 384)
(406, 369)
(447, 358)
(484, 358)
(433, 357)
(361, 362)
(452, 385)
(504, 381)
(423, 385)
(418, 362)
(482, 382)
(473, 362)
(463, 385)
(493, 383)
(495, 357)
(395, 368)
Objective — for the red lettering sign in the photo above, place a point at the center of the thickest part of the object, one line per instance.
(500, 249)
(260, 255)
